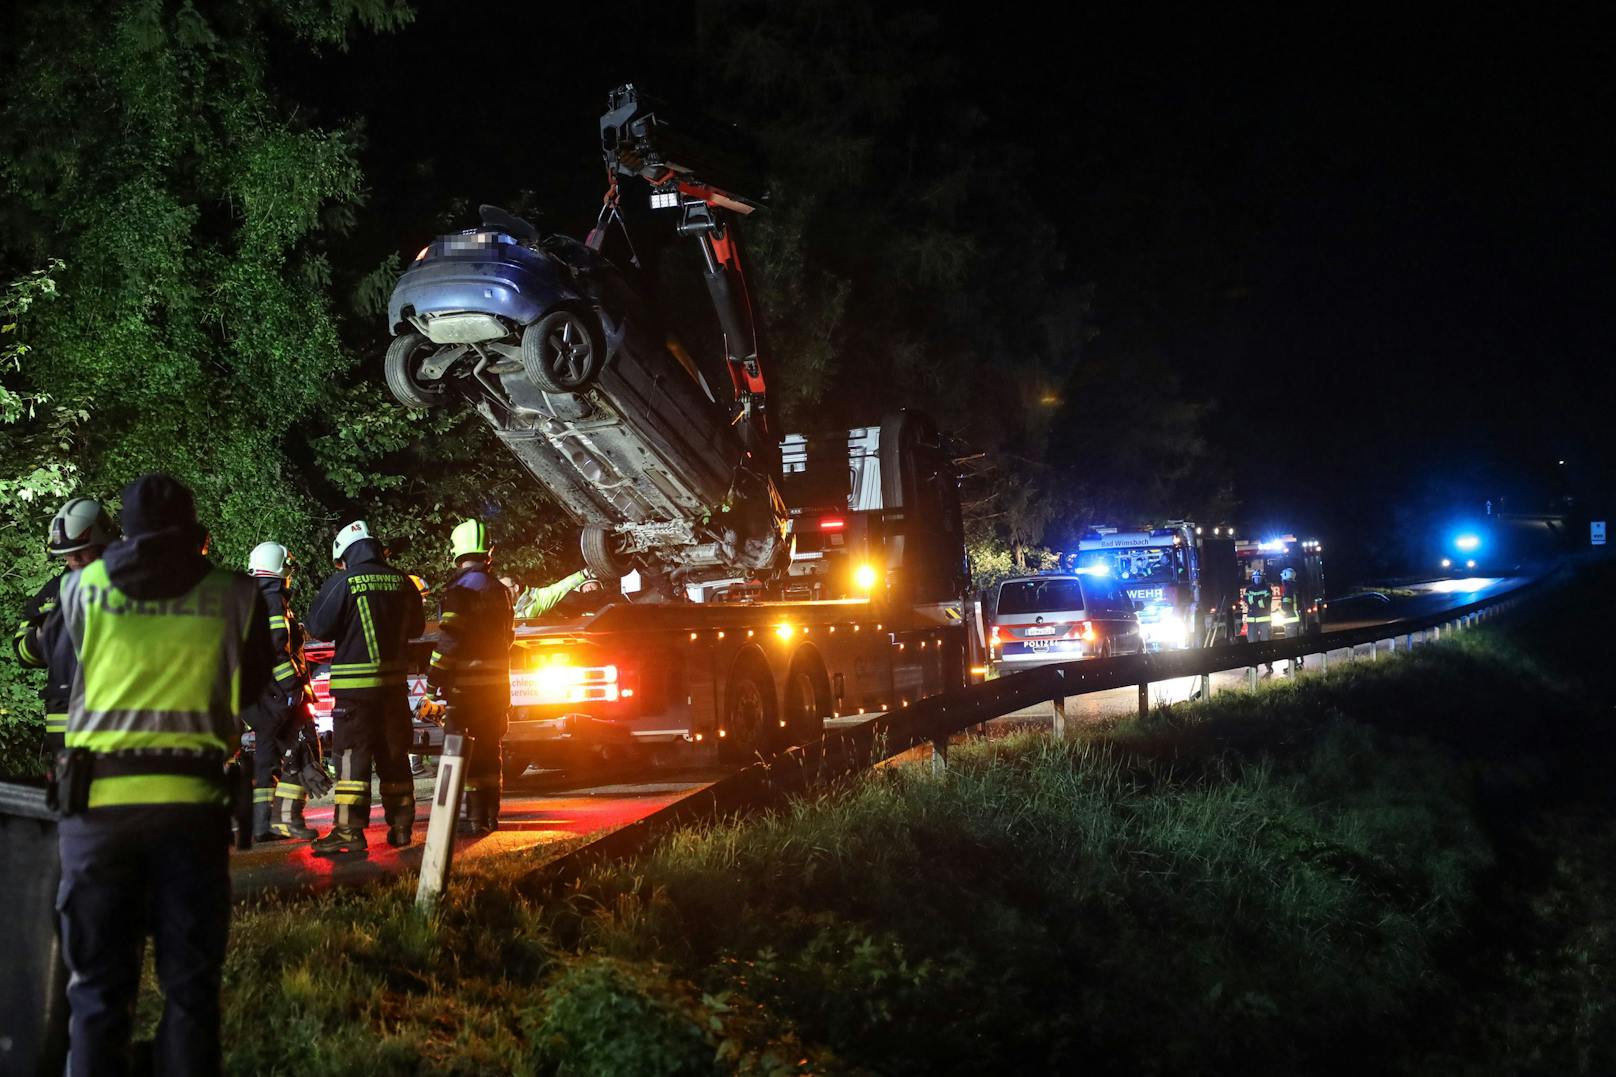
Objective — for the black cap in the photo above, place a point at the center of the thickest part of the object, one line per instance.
(156, 502)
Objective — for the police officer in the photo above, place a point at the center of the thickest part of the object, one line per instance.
(284, 735)
(79, 532)
(371, 611)
(472, 667)
(165, 643)
(1259, 613)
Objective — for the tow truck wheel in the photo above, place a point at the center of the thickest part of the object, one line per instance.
(402, 369)
(749, 722)
(807, 701)
(561, 352)
(600, 554)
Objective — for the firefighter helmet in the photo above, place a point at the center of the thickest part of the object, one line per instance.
(1256, 577)
(271, 559)
(421, 585)
(470, 539)
(79, 525)
(1288, 575)
(347, 537)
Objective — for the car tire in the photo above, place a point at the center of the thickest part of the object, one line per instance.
(401, 368)
(601, 556)
(562, 352)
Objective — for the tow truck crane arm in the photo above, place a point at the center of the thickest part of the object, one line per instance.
(693, 166)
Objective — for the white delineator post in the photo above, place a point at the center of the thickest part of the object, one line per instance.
(440, 826)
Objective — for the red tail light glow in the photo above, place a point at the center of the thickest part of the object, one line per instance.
(831, 523)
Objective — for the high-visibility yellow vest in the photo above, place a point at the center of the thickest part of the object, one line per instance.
(156, 676)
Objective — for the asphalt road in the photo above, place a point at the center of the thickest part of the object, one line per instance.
(549, 809)
(536, 811)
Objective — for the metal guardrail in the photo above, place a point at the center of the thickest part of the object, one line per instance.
(934, 719)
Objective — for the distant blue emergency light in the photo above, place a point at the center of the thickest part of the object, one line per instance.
(1467, 542)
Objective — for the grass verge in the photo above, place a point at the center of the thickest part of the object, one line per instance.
(1397, 865)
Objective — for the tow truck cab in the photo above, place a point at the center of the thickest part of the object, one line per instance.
(1304, 592)
(870, 618)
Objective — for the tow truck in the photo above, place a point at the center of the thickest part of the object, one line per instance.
(738, 674)
(1179, 578)
(794, 580)
(1272, 556)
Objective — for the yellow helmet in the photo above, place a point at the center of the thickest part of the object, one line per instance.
(470, 539)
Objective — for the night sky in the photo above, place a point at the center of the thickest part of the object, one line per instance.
(1383, 249)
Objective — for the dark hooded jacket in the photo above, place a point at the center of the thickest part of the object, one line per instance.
(473, 652)
(370, 611)
(29, 645)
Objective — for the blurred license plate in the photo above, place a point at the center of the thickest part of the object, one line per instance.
(1039, 630)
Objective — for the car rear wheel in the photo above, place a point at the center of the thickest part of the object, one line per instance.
(601, 555)
(561, 352)
(402, 369)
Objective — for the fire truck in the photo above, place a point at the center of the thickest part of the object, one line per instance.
(870, 618)
(1180, 578)
(1299, 602)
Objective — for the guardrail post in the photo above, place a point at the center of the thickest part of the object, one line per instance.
(439, 850)
(1059, 705)
(1251, 678)
(1324, 660)
(1374, 649)
(939, 755)
(1206, 687)
(1144, 698)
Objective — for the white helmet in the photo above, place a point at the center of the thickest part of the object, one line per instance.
(1288, 575)
(347, 537)
(79, 525)
(270, 559)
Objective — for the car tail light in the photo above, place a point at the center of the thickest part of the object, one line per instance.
(1088, 631)
(831, 523)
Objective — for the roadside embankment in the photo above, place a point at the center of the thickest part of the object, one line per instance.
(1397, 866)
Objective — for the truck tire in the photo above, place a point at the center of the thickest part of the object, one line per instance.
(807, 700)
(562, 352)
(600, 554)
(402, 367)
(751, 730)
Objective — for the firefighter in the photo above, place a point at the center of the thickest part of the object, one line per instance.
(165, 643)
(80, 530)
(472, 668)
(1259, 614)
(371, 611)
(1295, 613)
(284, 735)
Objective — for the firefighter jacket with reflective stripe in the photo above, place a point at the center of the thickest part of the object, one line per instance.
(1259, 604)
(370, 611)
(161, 678)
(286, 639)
(473, 651)
(29, 645)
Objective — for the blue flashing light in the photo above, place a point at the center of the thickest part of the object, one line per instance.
(1098, 568)
(1467, 542)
